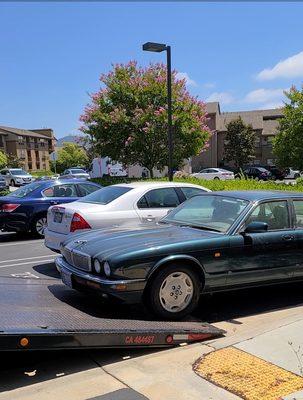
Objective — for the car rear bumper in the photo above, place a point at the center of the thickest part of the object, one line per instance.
(53, 240)
(11, 222)
(128, 291)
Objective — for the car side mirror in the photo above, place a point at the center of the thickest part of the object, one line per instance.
(256, 227)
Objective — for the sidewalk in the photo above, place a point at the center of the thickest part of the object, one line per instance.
(265, 346)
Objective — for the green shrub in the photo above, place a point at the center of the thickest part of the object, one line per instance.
(38, 174)
(4, 192)
(214, 185)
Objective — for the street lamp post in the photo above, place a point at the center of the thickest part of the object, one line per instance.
(158, 48)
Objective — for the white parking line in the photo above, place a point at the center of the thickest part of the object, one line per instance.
(23, 242)
(24, 259)
(25, 263)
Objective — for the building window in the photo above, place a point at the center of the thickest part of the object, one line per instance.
(1, 141)
(257, 141)
(20, 139)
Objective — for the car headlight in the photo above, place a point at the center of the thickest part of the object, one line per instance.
(97, 266)
(106, 268)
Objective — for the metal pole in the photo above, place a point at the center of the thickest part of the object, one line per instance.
(169, 116)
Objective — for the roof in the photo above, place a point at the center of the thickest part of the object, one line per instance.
(212, 107)
(255, 195)
(151, 184)
(22, 132)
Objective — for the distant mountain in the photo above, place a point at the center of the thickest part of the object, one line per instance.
(66, 139)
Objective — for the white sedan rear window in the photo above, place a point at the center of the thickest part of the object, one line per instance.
(105, 195)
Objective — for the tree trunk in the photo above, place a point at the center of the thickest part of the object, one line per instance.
(151, 173)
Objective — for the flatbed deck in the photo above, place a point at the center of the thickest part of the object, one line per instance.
(42, 314)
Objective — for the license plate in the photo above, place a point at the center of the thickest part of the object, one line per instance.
(66, 278)
(58, 217)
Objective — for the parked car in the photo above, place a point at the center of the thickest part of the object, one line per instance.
(214, 173)
(47, 177)
(258, 173)
(124, 204)
(277, 173)
(75, 173)
(16, 176)
(3, 184)
(25, 209)
(213, 242)
(292, 173)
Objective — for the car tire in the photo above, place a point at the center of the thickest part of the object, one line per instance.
(38, 226)
(216, 178)
(173, 304)
(13, 183)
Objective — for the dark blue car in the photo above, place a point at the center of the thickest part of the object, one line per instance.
(25, 209)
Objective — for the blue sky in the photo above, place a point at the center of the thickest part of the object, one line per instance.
(52, 54)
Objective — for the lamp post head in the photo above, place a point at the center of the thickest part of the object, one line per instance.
(155, 47)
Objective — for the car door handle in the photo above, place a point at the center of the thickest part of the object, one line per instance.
(54, 202)
(288, 238)
(150, 218)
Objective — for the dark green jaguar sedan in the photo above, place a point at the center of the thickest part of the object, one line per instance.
(212, 242)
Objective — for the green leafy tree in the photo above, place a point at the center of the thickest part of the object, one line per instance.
(288, 144)
(239, 146)
(70, 155)
(14, 162)
(127, 118)
(3, 159)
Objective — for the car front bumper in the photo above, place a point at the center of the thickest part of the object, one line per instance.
(128, 291)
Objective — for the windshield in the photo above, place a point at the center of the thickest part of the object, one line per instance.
(18, 172)
(211, 212)
(78, 171)
(25, 190)
(105, 195)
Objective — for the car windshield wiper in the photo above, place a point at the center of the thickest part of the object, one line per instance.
(204, 228)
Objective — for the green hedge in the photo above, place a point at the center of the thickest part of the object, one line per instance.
(38, 174)
(214, 185)
(4, 192)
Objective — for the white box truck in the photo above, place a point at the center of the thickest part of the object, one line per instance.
(105, 166)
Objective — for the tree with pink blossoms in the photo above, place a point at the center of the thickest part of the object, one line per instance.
(127, 118)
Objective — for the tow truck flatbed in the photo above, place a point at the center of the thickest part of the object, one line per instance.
(42, 314)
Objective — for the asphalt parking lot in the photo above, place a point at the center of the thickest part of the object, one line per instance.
(22, 257)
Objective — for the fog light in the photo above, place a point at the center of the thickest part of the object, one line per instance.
(97, 266)
(24, 342)
(106, 268)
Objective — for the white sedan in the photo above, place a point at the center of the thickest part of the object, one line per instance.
(214, 173)
(122, 204)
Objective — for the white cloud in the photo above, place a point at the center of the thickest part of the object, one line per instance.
(221, 97)
(188, 80)
(267, 106)
(209, 85)
(291, 67)
(265, 96)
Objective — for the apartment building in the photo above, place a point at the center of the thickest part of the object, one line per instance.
(264, 123)
(32, 146)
